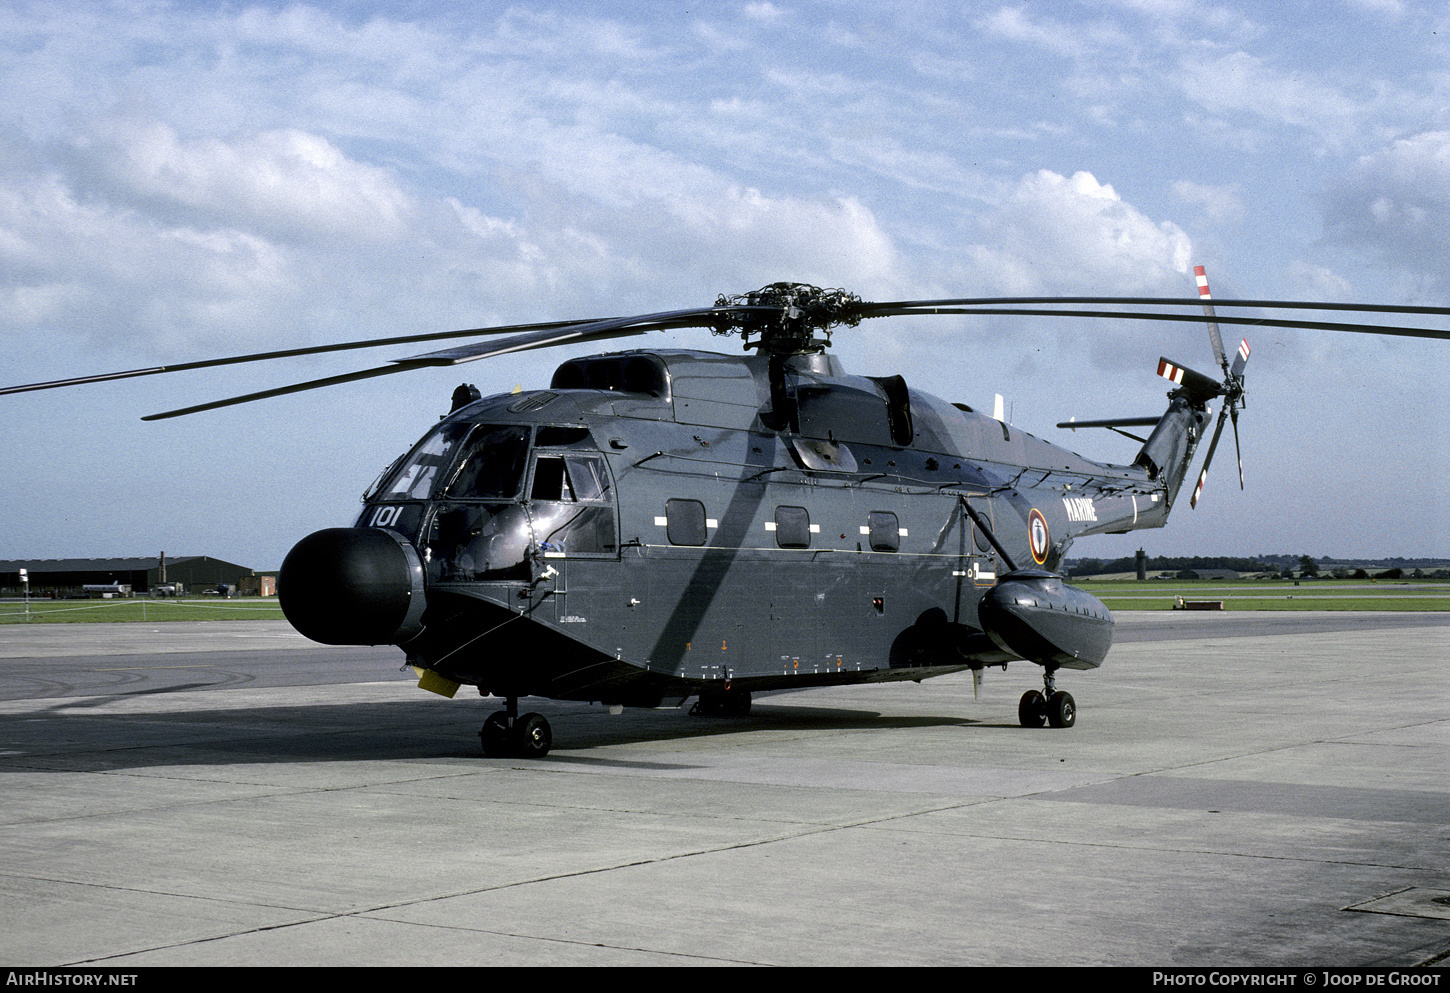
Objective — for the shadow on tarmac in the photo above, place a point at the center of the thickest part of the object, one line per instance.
(71, 735)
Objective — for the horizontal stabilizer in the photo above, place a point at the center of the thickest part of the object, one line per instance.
(1111, 422)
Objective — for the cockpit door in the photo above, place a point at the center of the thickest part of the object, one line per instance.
(572, 514)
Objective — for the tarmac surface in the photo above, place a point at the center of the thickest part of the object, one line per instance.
(1240, 790)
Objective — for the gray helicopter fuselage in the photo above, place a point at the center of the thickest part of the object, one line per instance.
(658, 522)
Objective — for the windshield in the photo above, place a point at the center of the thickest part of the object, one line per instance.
(491, 465)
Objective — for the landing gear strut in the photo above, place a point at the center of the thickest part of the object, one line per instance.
(1050, 706)
(507, 735)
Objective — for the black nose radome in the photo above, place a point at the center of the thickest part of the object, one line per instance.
(353, 586)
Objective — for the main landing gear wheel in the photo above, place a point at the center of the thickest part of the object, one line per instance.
(1051, 706)
(505, 735)
(1032, 710)
(1061, 710)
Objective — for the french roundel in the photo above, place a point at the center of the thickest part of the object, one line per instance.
(1037, 536)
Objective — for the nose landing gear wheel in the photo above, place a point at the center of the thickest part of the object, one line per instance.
(494, 736)
(532, 736)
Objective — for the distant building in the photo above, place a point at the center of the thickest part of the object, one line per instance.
(1209, 574)
(258, 584)
(63, 576)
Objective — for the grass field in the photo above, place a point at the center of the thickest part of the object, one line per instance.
(1276, 594)
(138, 609)
(1154, 594)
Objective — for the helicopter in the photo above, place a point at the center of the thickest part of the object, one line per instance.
(657, 525)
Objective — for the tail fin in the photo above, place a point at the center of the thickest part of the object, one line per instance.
(1170, 448)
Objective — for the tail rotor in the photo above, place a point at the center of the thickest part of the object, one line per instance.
(1202, 388)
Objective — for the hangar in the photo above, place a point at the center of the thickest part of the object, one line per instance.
(63, 577)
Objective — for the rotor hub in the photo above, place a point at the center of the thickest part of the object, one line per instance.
(785, 317)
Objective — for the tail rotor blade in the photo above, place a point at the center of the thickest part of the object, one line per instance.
(1241, 359)
(1235, 398)
(1208, 459)
(1234, 413)
(1196, 383)
(1213, 336)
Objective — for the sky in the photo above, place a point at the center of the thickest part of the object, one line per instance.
(188, 180)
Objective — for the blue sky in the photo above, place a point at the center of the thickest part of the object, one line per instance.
(184, 180)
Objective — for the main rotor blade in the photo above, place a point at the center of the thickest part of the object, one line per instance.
(615, 327)
(728, 316)
(542, 338)
(1112, 422)
(285, 353)
(978, 305)
(315, 384)
(1272, 322)
(899, 307)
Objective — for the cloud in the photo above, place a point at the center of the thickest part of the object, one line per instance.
(286, 181)
(1317, 282)
(1394, 205)
(184, 243)
(1242, 82)
(75, 264)
(1077, 39)
(1379, 8)
(1220, 204)
(1073, 234)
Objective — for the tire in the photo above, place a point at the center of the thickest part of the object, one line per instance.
(1032, 709)
(494, 735)
(1061, 710)
(532, 737)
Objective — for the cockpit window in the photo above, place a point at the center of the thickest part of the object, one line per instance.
(491, 466)
(570, 479)
(414, 479)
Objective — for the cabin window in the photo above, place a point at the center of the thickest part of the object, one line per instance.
(685, 522)
(792, 527)
(550, 480)
(550, 436)
(884, 531)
